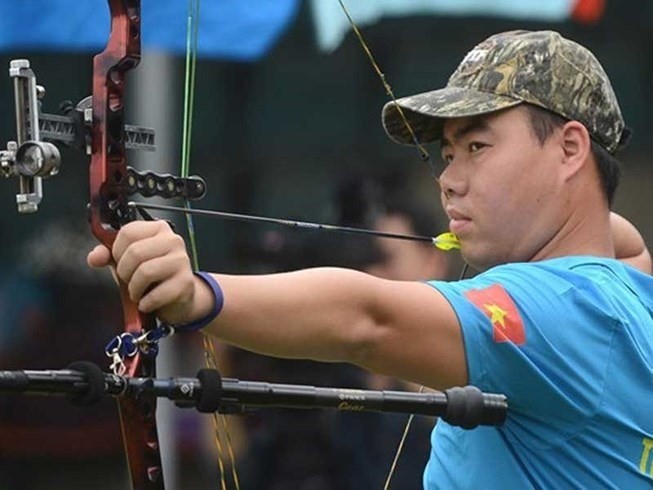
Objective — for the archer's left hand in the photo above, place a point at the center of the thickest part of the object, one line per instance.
(152, 262)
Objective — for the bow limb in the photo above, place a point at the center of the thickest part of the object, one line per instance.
(108, 211)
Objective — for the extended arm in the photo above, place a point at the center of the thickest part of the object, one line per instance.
(405, 329)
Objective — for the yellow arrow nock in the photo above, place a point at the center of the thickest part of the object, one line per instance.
(446, 241)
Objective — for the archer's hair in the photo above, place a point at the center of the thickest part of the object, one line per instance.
(544, 123)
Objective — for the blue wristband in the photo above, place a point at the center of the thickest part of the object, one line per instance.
(218, 303)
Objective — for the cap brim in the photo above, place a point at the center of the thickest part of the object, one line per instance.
(427, 112)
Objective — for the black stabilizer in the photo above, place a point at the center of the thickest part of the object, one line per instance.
(464, 407)
(96, 384)
(211, 393)
(12, 381)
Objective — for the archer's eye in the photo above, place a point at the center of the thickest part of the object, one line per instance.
(446, 155)
(475, 146)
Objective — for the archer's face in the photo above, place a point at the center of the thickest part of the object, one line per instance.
(500, 187)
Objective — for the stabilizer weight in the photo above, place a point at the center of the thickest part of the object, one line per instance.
(211, 393)
(94, 378)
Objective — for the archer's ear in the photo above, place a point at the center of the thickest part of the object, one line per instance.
(576, 146)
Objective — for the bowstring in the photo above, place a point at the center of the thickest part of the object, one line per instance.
(220, 424)
(424, 154)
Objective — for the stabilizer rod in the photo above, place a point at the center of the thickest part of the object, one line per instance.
(466, 407)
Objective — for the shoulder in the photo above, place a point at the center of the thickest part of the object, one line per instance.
(581, 284)
(527, 325)
(583, 274)
(591, 288)
(556, 276)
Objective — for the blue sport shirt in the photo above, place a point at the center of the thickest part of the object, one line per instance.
(569, 341)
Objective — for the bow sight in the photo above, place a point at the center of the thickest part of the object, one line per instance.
(34, 156)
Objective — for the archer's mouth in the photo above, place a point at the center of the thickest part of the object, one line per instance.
(458, 221)
(458, 226)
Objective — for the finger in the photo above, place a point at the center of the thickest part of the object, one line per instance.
(171, 299)
(136, 231)
(148, 249)
(148, 275)
(100, 256)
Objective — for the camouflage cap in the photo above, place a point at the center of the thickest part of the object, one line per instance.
(538, 67)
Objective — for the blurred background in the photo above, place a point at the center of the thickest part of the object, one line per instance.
(286, 123)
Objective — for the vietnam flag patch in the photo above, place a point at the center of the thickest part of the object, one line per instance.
(498, 306)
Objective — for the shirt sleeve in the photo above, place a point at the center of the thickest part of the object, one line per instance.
(534, 336)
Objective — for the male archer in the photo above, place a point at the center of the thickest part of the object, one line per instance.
(529, 126)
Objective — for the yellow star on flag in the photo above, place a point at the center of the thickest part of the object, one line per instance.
(498, 314)
(498, 307)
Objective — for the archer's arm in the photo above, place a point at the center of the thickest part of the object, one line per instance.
(405, 329)
(629, 245)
